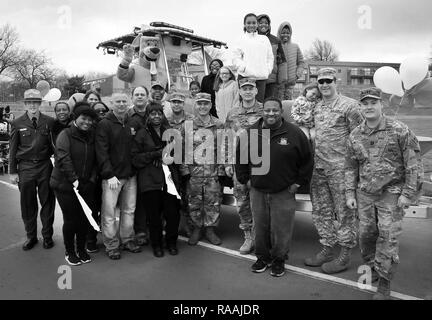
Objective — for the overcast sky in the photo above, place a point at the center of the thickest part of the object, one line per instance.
(399, 28)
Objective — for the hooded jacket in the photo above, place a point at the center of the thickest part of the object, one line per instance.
(293, 55)
(279, 72)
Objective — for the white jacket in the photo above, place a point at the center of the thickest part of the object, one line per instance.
(253, 56)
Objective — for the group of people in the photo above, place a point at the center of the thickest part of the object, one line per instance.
(359, 163)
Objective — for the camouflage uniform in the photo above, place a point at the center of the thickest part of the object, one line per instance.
(203, 193)
(382, 164)
(239, 119)
(334, 221)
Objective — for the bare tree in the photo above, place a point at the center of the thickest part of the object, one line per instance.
(322, 50)
(33, 66)
(9, 49)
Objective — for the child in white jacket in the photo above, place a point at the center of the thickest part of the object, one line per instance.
(254, 56)
(227, 92)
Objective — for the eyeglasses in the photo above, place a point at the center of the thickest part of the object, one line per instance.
(322, 81)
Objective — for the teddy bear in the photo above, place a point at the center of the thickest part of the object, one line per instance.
(148, 67)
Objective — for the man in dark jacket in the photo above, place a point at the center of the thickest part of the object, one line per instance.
(114, 137)
(272, 193)
(30, 166)
(279, 72)
(137, 119)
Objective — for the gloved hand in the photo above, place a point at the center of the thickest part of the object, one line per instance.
(128, 53)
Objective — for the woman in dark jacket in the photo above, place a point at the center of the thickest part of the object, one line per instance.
(75, 168)
(147, 150)
(63, 119)
(207, 83)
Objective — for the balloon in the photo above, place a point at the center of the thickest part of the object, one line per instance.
(389, 81)
(74, 99)
(413, 70)
(44, 87)
(53, 95)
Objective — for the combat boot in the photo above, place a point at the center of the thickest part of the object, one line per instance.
(340, 264)
(211, 236)
(383, 291)
(325, 255)
(248, 244)
(195, 236)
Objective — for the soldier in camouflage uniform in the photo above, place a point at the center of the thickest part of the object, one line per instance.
(176, 121)
(204, 193)
(240, 118)
(383, 174)
(335, 117)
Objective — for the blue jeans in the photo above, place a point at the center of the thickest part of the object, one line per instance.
(273, 215)
(118, 204)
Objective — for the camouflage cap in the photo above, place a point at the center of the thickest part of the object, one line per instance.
(156, 84)
(247, 82)
(177, 96)
(203, 97)
(32, 95)
(327, 73)
(373, 92)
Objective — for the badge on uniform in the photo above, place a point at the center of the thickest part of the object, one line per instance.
(133, 132)
(283, 142)
(23, 129)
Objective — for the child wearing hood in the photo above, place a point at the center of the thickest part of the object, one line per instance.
(294, 59)
(227, 92)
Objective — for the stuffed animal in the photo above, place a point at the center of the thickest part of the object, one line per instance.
(148, 67)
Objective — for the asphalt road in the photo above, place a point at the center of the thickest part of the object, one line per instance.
(204, 272)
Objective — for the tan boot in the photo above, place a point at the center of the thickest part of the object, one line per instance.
(248, 244)
(340, 264)
(383, 291)
(325, 255)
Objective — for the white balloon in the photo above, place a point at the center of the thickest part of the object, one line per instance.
(53, 95)
(389, 81)
(413, 70)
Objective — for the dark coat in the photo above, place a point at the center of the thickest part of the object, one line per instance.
(28, 143)
(75, 158)
(207, 86)
(113, 147)
(146, 148)
(290, 159)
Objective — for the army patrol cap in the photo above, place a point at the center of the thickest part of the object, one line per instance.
(32, 95)
(203, 97)
(326, 73)
(373, 92)
(177, 96)
(157, 84)
(247, 82)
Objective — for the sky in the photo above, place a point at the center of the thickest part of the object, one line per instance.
(371, 31)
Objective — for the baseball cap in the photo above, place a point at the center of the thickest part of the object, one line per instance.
(32, 95)
(247, 82)
(177, 96)
(373, 92)
(326, 73)
(157, 84)
(203, 97)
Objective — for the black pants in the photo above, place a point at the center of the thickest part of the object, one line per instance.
(75, 223)
(97, 203)
(140, 219)
(162, 206)
(271, 90)
(34, 180)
